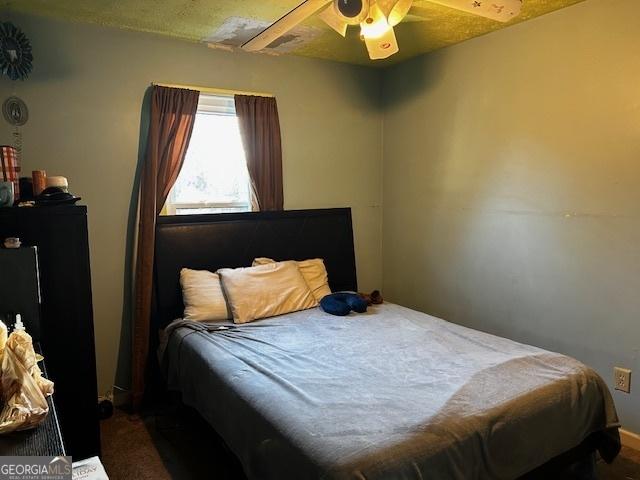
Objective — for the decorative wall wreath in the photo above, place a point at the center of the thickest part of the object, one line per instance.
(15, 52)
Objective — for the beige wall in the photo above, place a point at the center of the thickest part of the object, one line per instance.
(511, 198)
(85, 97)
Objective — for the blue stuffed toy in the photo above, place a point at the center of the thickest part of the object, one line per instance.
(342, 303)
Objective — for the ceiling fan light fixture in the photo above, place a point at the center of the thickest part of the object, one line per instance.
(329, 17)
(375, 25)
(351, 12)
(382, 47)
(399, 11)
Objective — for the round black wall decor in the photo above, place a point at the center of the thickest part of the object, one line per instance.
(15, 52)
(15, 111)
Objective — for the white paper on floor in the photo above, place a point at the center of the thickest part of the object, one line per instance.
(89, 469)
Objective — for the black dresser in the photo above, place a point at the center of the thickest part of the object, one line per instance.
(67, 339)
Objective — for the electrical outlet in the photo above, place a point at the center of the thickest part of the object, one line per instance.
(622, 379)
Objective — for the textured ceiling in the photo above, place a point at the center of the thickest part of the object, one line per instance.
(429, 27)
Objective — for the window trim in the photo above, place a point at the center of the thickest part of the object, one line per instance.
(171, 208)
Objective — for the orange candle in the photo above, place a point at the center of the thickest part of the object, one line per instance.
(39, 181)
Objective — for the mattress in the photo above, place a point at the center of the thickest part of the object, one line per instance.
(392, 393)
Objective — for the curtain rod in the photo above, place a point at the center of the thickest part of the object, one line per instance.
(219, 91)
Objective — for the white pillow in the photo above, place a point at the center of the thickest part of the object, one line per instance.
(202, 296)
(313, 271)
(265, 291)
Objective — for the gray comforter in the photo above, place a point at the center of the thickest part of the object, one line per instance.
(393, 393)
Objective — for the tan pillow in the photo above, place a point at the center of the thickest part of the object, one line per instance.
(265, 291)
(202, 296)
(314, 273)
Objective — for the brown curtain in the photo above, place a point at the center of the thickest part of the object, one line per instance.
(173, 112)
(260, 130)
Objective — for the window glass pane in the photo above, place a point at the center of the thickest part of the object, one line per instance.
(214, 169)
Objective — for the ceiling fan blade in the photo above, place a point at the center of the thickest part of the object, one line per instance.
(399, 11)
(329, 17)
(500, 10)
(383, 46)
(284, 24)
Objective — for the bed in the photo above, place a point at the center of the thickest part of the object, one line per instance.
(392, 393)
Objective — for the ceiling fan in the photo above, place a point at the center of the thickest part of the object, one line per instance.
(376, 19)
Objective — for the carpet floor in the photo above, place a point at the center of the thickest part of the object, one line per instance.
(171, 442)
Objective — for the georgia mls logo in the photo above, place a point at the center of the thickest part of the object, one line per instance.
(59, 466)
(35, 468)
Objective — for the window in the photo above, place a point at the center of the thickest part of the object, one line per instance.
(214, 177)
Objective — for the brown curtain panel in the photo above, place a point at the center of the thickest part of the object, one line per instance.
(173, 112)
(260, 130)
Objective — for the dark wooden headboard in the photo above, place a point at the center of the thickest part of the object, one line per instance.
(210, 242)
